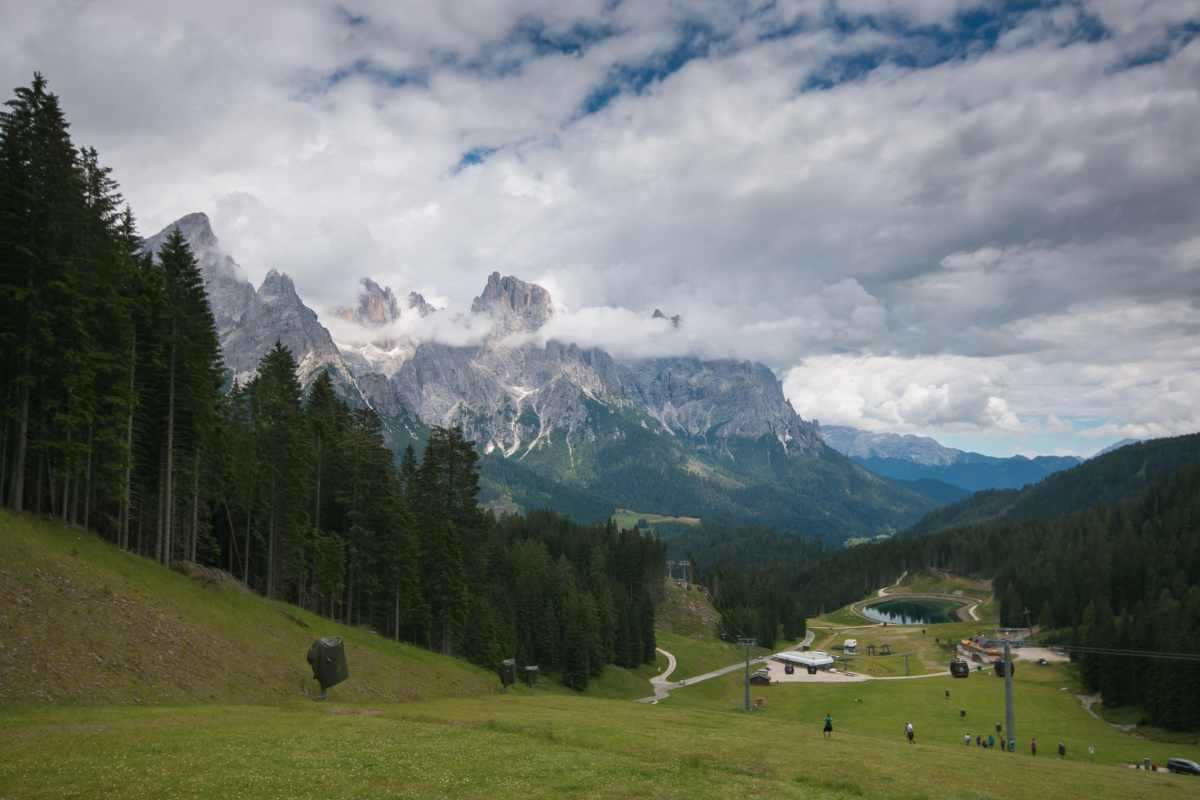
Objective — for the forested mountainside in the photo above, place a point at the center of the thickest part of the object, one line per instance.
(914, 458)
(1114, 477)
(116, 420)
(1108, 571)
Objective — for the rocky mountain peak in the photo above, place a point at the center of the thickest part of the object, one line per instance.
(278, 287)
(376, 306)
(418, 303)
(514, 304)
(197, 229)
(674, 319)
(229, 293)
(865, 444)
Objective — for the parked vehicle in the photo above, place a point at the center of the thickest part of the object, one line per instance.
(1183, 766)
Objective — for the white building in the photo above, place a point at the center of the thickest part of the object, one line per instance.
(806, 659)
(850, 647)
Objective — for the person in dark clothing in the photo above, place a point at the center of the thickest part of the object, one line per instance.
(828, 732)
(1062, 750)
(1033, 746)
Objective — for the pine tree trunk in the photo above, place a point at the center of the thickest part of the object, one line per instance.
(350, 595)
(37, 489)
(3, 459)
(66, 495)
(167, 534)
(317, 502)
(127, 488)
(87, 486)
(232, 554)
(246, 566)
(50, 481)
(195, 505)
(271, 544)
(16, 499)
(160, 524)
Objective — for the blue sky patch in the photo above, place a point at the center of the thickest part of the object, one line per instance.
(476, 155)
(393, 78)
(971, 33)
(350, 18)
(696, 39)
(1177, 37)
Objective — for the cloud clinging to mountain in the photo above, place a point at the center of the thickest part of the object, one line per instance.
(1000, 206)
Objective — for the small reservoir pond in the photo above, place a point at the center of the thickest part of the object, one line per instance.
(913, 611)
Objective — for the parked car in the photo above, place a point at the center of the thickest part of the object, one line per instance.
(1183, 766)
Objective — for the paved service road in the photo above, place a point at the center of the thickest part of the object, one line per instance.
(663, 686)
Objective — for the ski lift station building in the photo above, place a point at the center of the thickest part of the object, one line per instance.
(808, 659)
(850, 647)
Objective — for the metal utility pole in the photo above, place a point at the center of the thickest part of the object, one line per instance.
(1010, 729)
(747, 643)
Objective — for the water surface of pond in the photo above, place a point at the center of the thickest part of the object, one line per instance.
(913, 611)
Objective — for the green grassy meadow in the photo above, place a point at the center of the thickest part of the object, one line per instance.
(625, 518)
(940, 583)
(535, 745)
(121, 679)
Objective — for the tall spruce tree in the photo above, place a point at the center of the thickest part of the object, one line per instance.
(279, 434)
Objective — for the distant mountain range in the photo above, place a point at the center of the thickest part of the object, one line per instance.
(1119, 476)
(560, 426)
(912, 458)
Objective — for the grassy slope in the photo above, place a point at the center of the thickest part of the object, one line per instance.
(83, 622)
(687, 627)
(528, 744)
(928, 652)
(624, 518)
(536, 745)
(943, 583)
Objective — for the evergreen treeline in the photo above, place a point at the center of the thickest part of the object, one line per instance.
(1121, 576)
(741, 566)
(115, 419)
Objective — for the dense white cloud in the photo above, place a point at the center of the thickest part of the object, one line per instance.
(886, 393)
(999, 243)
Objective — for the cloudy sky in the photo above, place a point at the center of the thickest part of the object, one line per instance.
(946, 217)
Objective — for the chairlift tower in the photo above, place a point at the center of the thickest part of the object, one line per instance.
(684, 570)
(1010, 729)
(747, 643)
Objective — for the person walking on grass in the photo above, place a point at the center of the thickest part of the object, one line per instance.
(828, 731)
(908, 732)
(1033, 746)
